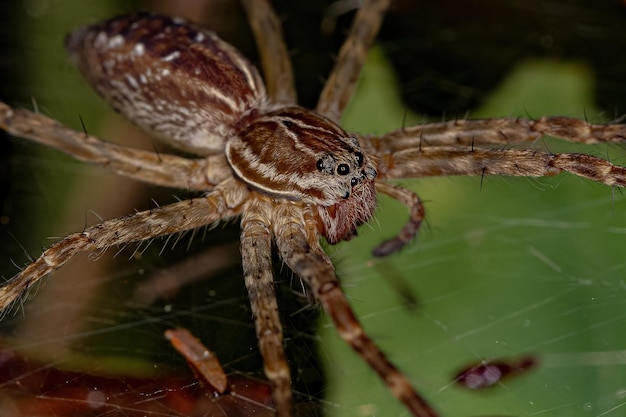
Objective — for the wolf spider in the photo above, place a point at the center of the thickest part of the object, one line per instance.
(292, 175)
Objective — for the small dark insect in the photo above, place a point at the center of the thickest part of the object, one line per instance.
(292, 175)
(486, 374)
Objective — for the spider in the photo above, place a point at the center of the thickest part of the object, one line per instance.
(292, 175)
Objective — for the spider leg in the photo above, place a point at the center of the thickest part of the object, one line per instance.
(497, 131)
(342, 80)
(410, 229)
(275, 60)
(224, 202)
(159, 169)
(299, 247)
(256, 252)
(444, 161)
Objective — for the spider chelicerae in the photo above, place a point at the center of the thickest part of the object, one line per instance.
(292, 175)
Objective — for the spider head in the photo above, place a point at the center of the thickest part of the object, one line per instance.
(300, 155)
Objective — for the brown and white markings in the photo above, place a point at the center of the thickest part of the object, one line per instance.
(292, 175)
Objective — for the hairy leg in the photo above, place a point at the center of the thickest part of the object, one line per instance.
(342, 80)
(445, 161)
(154, 168)
(275, 60)
(256, 253)
(220, 204)
(496, 131)
(410, 229)
(299, 248)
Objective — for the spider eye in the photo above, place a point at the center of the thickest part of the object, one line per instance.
(354, 181)
(320, 165)
(359, 158)
(369, 173)
(343, 169)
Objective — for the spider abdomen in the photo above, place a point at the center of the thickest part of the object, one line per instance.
(170, 77)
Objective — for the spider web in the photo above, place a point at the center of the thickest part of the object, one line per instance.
(504, 267)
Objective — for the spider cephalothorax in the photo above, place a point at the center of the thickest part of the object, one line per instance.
(299, 155)
(292, 175)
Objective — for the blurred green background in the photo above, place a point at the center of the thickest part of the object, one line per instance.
(503, 267)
